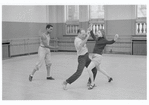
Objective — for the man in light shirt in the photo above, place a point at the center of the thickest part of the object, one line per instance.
(83, 57)
(44, 53)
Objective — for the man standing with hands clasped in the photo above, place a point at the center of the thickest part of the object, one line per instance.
(44, 53)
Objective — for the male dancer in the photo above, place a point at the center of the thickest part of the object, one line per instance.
(83, 57)
(44, 53)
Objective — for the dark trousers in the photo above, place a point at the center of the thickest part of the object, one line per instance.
(83, 61)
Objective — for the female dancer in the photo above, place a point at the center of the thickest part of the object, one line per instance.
(97, 56)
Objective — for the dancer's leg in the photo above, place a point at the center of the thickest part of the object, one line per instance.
(89, 69)
(104, 73)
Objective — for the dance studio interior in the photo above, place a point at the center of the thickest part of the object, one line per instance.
(125, 60)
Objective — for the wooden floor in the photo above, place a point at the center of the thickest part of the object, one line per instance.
(128, 71)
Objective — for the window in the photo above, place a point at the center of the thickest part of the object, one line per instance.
(72, 13)
(141, 23)
(141, 11)
(72, 19)
(96, 17)
(96, 12)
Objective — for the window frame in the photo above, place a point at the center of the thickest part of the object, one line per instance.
(95, 22)
(71, 23)
(95, 19)
(140, 20)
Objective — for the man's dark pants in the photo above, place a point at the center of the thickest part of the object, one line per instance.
(83, 61)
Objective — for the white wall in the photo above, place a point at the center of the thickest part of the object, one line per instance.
(120, 12)
(56, 13)
(24, 13)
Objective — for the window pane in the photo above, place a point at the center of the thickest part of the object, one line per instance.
(141, 11)
(72, 12)
(96, 12)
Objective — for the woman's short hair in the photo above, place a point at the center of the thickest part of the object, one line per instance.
(103, 32)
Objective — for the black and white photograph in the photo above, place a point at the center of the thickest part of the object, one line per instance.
(74, 52)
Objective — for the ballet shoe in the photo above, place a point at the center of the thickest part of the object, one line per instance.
(110, 79)
(91, 87)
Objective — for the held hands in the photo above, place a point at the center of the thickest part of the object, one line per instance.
(116, 37)
(88, 30)
(90, 27)
(53, 47)
(88, 34)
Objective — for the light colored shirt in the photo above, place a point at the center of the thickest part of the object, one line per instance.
(47, 39)
(80, 51)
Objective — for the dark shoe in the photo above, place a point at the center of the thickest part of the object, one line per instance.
(110, 79)
(50, 78)
(30, 78)
(64, 85)
(91, 87)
